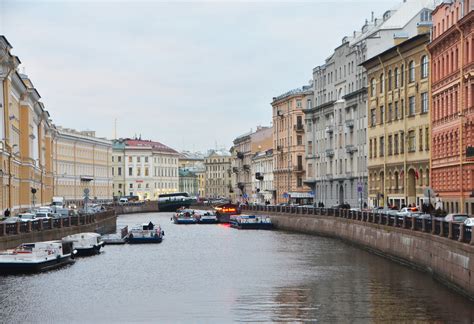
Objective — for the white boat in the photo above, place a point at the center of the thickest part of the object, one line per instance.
(205, 217)
(85, 243)
(145, 233)
(36, 257)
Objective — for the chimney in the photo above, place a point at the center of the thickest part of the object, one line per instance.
(372, 16)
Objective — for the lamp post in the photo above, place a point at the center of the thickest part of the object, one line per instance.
(10, 175)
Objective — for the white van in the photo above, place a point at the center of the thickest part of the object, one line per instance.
(123, 200)
(58, 201)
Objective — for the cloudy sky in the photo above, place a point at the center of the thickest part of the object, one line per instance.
(192, 75)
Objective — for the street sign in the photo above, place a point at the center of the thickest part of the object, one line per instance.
(311, 193)
(359, 187)
(245, 196)
(285, 195)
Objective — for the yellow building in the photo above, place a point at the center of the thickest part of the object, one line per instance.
(289, 147)
(82, 160)
(399, 123)
(25, 133)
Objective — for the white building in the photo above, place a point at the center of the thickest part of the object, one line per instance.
(144, 168)
(262, 180)
(218, 174)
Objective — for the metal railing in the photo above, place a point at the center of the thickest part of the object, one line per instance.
(52, 223)
(453, 231)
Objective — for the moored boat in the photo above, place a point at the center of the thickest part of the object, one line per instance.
(36, 257)
(145, 233)
(171, 202)
(251, 222)
(205, 217)
(85, 243)
(184, 216)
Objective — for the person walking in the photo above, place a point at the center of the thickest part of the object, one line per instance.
(6, 213)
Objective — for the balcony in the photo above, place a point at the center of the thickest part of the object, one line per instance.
(330, 129)
(298, 168)
(330, 153)
(280, 148)
(235, 169)
(240, 155)
(241, 186)
(349, 174)
(298, 128)
(351, 149)
(329, 177)
(246, 167)
(350, 123)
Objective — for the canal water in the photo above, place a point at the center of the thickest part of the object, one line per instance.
(216, 274)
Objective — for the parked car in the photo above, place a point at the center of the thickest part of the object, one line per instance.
(42, 215)
(469, 222)
(27, 217)
(407, 211)
(11, 220)
(123, 200)
(456, 218)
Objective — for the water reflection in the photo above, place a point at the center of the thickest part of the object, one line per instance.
(218, 274)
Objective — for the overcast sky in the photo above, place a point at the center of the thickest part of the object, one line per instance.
(192, 75)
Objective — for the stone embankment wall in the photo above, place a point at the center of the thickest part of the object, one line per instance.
(450, 261)
(138, 207)
(103, 222)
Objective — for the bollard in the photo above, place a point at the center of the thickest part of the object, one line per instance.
(461, 232)
(404, 223)
(450, 230)
(413, 222)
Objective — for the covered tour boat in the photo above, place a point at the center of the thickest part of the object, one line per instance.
(251, 222)
(205, 217)
(85, 243)
(145, 233)
(184, 216)
(36, 257)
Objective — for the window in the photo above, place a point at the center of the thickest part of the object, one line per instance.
(372, 117)
(130, 159)
(402, 75)
(139, 171)
(146, 159)
(396, 110)
(396, 76)
(411, 106)
(310, 147)
(382, 146)
(113, 171)
(389, 117)
(389, 80)
(375, 147)
(372, 87)
(119, 171)
(146, 172)
(411, 141)
(424, 102)
(382, 114)
(298, 103)
(300, 182)
(381, 83)
(424, 67)
(131, 186)
(370, 148)
(395, 142)
(112, 159)
(130, 171)
(389, 145)
(120, 186)
(119, 158)
(411, 72)
(402, 109)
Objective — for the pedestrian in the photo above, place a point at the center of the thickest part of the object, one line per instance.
(6, 213)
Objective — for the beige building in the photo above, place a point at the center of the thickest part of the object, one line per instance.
(218, 174)
(399, 122)
(144, 168)
(82, 160)
(25, 135)
(289, 146)
(193, 162)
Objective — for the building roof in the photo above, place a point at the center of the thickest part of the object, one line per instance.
(222, 152)
(187, 155)
(139, 143)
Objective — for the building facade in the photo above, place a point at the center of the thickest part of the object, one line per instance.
(82, 161)
(144, 168)
(218, 174)
(289, 146)
(399, 123)
(26, 172)
(262, 180)
(452, 86)
(194, 163)
(188, 182)
(241, 178)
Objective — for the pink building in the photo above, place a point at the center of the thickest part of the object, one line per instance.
(452, 113)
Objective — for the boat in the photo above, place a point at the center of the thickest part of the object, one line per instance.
(184, 216)
(173, 201)
(36, 257)
(145, 233)
(224, 211)
(205, 217)
(85, 243)
(251, 222)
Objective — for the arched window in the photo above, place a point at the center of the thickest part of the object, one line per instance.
(411, 71)
(372, 87)
(381, 83)
(389, 80)
(424, 66)
(395, 76)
